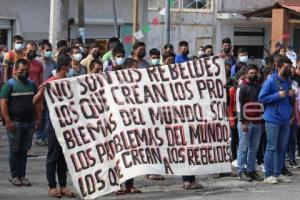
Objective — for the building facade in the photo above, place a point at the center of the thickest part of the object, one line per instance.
(200, 22)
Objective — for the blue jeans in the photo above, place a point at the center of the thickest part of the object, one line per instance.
(19, 143)
(41, 133)
(277, 140)
(248, 145)
(291, 149)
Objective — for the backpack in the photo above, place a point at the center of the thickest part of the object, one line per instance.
(12, 82)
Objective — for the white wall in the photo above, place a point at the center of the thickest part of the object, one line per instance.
(31, 17)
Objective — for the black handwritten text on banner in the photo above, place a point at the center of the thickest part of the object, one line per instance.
(118, 125)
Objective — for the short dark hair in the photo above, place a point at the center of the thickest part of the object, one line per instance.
(21, 61)
(251, 66)
(118, 50)
(94, 45)
(155, 52)
(45, 44)
(168, 54)
(61, 43)
(18, 37)
(169, 45)
(31, 44)
(242, 50)
(74, 47)
(208, 47)
(113, 43)
(226, 40)
(93, 63)
(138, 44)
(129, 62)
(283, 60)
(183, 43)
(62, 60)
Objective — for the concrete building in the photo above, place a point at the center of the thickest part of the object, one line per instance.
(200, 22)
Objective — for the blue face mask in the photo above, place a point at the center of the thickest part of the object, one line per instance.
(119, 61)
(48, 54)
(155, 62)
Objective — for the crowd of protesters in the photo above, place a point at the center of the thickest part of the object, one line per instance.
(263, 104)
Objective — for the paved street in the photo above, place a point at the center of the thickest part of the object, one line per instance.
(215, 188)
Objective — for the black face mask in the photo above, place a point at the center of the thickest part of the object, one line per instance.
(31, 56)
(142, 55)
(286, 72)
(23, 77)
(253, 79)
(96, 55)
(227, 50)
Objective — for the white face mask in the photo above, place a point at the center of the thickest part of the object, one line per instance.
(77, 57)
(243, 59)
(155, 62)
(19, 47)
(82, 50)
(200, 53)
(119, 61)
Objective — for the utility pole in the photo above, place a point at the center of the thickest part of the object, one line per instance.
(55, 27)
(135, 18)
(115, 19)
(81, 25)
(167, 21)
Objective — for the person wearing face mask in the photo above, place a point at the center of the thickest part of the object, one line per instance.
(55, 161)
(249, 125)
(242, 58)
(18, 111)
(36, 68)
(48, 66)
(12, 56)
(155, 57)
(94, 54)
(47, 60)
(227, 51)
(111, 45)
(139, 52)
(77, 68)
(276, 95)
(201, 52)
(183, 52)
(117, 61)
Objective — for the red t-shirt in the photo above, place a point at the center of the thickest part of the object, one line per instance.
(36, 71)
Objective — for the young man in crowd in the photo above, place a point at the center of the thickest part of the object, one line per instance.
(242, 60)
(94, 54)
(112, 44)
(276, 95)
(117, 61)
(138, 53)
(209, 50)
(61, 46)
(227, 51)
(95, 67)
(249, 125)
(55, 161)
(18, 110)
(168, 58)
(48, 66)
(77, 68)
(183, 48)
(131, 63)
(12, 56)
(154, 57)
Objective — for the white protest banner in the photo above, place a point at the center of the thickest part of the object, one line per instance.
(162, 120)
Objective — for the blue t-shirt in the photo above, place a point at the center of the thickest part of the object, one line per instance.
(181, 58)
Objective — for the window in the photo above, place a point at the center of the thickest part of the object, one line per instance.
(196, 4)
(182, 5)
